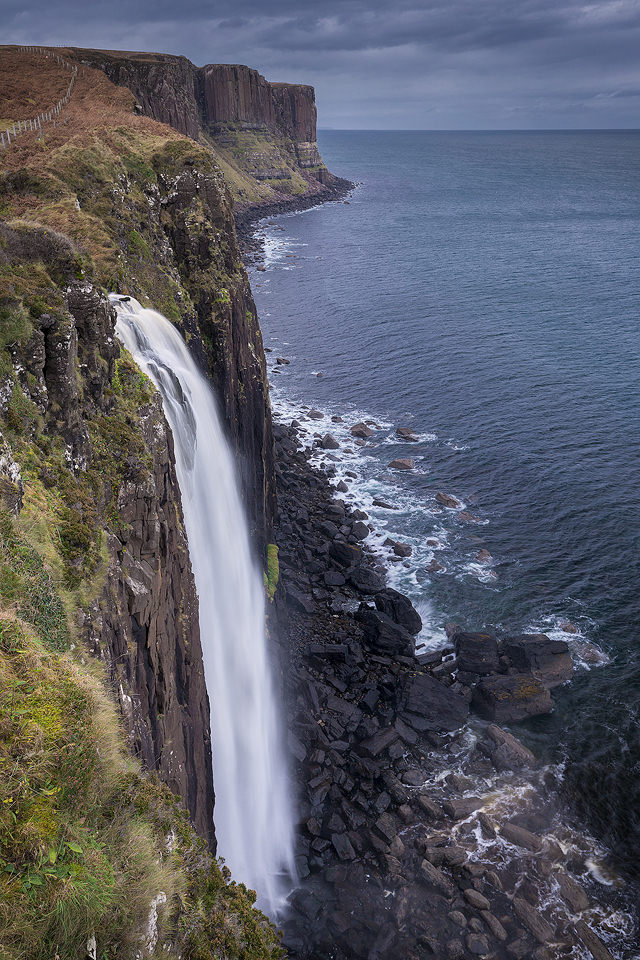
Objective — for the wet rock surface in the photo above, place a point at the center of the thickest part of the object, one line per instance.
(423, 831)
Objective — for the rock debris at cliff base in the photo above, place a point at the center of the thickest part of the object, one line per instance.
(420, 834)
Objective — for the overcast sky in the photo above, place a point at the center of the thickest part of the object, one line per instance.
(404, 64)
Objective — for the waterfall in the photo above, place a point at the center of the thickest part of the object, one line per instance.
(253, 810)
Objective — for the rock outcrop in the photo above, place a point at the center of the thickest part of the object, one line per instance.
(165, 87)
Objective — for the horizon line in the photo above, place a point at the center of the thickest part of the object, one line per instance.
(323, 129)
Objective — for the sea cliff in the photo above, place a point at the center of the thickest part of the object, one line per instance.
(263, 134)
(137, 193)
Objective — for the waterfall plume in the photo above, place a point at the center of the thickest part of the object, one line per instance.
(253, 810)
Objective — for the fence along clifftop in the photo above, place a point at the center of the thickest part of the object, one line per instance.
(48, 116)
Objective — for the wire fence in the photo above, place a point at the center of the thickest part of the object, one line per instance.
(36, 124)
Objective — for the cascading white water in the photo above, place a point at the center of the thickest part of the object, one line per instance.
(253, 810)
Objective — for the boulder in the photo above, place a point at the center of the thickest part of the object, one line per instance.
(379, 742)
(299, 600)
(282, 361)
(521, 837)
(399, 608)
(511, 698)
(360, 530)
(533, 921)
(477, 653)
(459, 808)
(315, 415)
(366, 580)
(548, 660)
(402, 549)
(402, 463)
(383, 504)
(505, 751)
(592, 942)
(448, 501)
(342, 846)
(329, 443)
(476, 899)
(477, 945)
(426, 704)
(572, 893)
(406, 433)
(381, 633)
(362, 431)
(345, 554)
(333, 579)
(494, 925)
(436, 878)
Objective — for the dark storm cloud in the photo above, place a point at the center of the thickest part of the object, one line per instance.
(459, 63)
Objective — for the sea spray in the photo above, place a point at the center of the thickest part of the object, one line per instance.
(253, 809)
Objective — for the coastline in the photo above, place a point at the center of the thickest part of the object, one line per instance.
(246, 217)
(389, 824)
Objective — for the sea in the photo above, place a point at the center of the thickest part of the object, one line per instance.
(483, 290)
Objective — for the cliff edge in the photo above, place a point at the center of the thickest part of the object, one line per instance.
(263, 134)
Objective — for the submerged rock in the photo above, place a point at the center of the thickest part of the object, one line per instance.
(448, 501)
(406, 433)
(402, 463)
(505, 751)
(383, 504)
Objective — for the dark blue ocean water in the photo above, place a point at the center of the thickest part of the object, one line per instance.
(484, 289)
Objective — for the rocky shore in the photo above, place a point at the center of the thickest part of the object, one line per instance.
(247, 215)
(426, 827)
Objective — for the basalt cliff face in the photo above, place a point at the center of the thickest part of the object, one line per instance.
(239, 97)
(263, 133)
